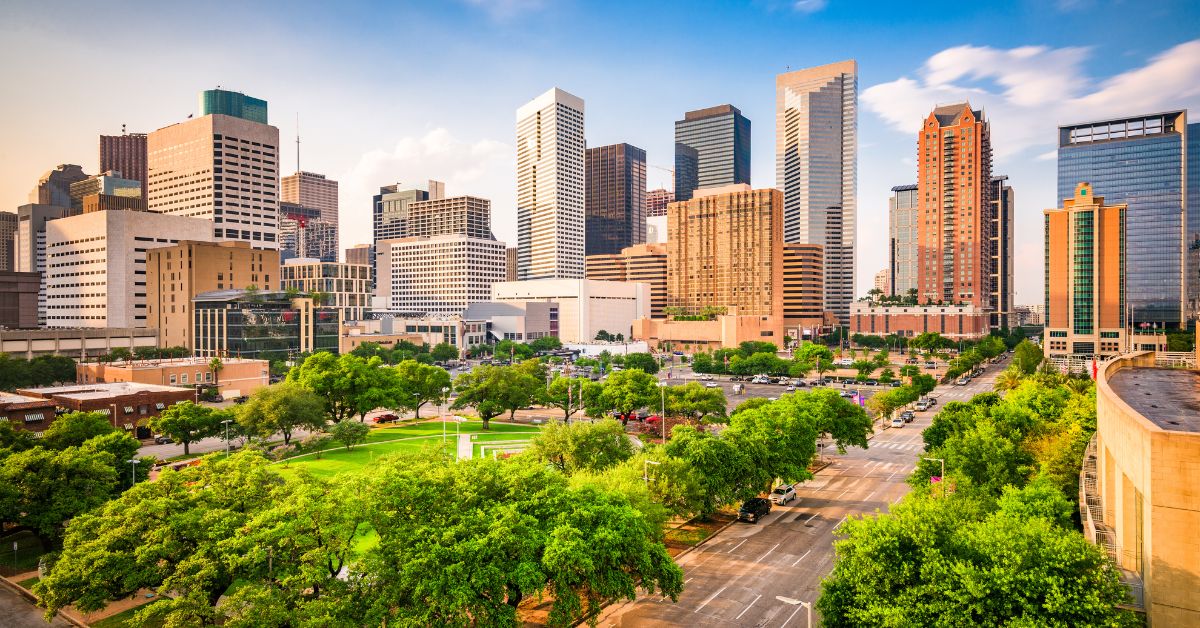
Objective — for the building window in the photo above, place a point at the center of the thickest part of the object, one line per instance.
(171, 379)
(184, 376)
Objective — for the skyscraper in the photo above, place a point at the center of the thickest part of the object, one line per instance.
(8, 238)
(389, 209)
(235, 104)
(1147, 162)
(125, 154)
(312, 190)
(616, 198)
(954, 184)
(1003, 312)
(657, 201)
(29, 245)
(712, 147)
(54, 187)
(902, 239)
(550, 187)
(816, 167)
(222, 168)
(107, 183)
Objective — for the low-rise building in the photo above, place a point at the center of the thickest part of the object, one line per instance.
(266, 325)
(440, 274)
(344, 286)
(585, 307)
(80, 343)
(523, 322)
(24, 412)
(19, 299)
(357, 333)
(723, 331)
(128, 404)
(236, 376)
(1138, 485)
(956, 322)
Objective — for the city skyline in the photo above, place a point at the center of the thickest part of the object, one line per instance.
(1029, 79)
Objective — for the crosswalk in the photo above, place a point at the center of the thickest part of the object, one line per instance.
(898, 446)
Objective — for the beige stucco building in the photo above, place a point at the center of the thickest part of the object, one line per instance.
(176, 274)
(1140, 482)
(724, 331)
(237, 376)
(646, 263)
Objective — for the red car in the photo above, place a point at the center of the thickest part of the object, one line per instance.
(387, 418)
(653, 418)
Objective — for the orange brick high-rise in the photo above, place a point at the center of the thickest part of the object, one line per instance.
(954, 161)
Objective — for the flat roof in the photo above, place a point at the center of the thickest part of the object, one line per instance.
(1170, 398)
(10, 398)
(103, 390)
(165, 362)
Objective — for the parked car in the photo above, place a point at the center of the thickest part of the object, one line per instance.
(711, 385)
(754, 509)
(924, 405)
(387, 418)
(163, 440)
(844, 362)
(820, 382)
(799, 382)
(897, 422)
(908, 416)
(911, 361)
(653, 418)
(963, 381)
(783, 494)
(930, 365)
(847, 394)
(790, 388)
(872, 382)
(895, 383)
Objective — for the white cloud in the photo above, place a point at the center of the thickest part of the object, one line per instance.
(483, 168)
(809, 6)
(1028, 91)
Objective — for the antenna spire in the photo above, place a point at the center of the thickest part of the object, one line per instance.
(297, 141)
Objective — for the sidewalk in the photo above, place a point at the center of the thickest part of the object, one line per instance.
(465, 449)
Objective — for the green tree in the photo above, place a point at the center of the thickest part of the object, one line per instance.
(717, 466)
(569, 394)
(812, 353)
(346, 383)
(216, 366)
(43, 489)
(626, 392)
(864, 368)
(123, 448)
(186, 422)
(349, 433)
(513, 351)
(75, 428)
(1027, 357)
(692, 401)
(546, 343)
(421, 384)
(281, 409)
(444, 352)
(644, 361)
(1008, 379)
(582, 446)
(483, 389)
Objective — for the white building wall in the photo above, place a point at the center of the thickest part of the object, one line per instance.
(584, 306)
(441, 274)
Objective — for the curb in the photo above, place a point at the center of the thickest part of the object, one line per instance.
(32, 599)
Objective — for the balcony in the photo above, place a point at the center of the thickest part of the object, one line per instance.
(1091, 513)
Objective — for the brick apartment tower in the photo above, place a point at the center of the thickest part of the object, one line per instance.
(954, 182)
(125, 154)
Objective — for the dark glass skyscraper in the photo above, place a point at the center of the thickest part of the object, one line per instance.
(1140, 161)
(615, 201)
(712, 147)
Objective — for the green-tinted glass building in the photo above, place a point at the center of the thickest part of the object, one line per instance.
(234, 104)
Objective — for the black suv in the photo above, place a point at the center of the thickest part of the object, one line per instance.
(754, 509)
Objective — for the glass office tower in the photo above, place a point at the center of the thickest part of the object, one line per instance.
(234, 104)
(615, 198)
(712, 147)
(902, 231)
(1140, 161)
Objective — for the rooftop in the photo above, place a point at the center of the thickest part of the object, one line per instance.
(7, 398)
(103, 391)
(1169, 398)
(167, 362)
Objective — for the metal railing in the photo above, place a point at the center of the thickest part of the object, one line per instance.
(1091, 513)
(1175, 359)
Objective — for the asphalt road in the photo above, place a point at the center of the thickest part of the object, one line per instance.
(17, 612)
(735, 578)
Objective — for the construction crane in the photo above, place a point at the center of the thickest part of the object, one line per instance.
(668, 170)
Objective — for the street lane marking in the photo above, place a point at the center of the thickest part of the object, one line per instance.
(767, 553)
(747, 607)
(710, 598)
(801, 558)
(811, 517)
(736, 546)
(785, 622)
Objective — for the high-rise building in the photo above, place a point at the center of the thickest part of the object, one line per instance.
(311, 190)
(1150, 163)
(550, 187)
(882, 283)
(8, 240)
(29, 245)
(657, 201)
(110, 183)
(954, 184)
(235, 104)
(177, 273)
(112, 246)
(360, 254)
(54, 187)
(726, 250)
(1086, 274)
(303, 233)
(712, 148)
(222, 168)
(448, 260)
(389, 210)
(510, 257)
(1002, 288)
(816, 167)
(346, 287)
(18, 300)
(646, 263)
(903, 226)
(110, 202)
(616, 198)
(804, 286)
(126, 154)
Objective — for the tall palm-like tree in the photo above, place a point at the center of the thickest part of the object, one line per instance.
(1007, 380)
(215, 365)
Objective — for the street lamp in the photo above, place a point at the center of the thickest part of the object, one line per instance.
(442, 412)
(942, 477)
(646, 469)
(797, 603)
(133, 463)
(662, 389)
(226, 423)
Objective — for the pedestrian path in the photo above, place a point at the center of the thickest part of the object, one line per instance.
(464, 447)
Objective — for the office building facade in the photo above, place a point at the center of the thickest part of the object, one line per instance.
(510, 261)
(645, 263)
(816, 167)
(616, 198)
(882, 282)
(903, 226)
(440, 274)
(712, 148)
(8, 240)
(550, 187)
(29, 245)
(108, 183)
(1004, 207)
(467, 215)
(175, 274)
(96, 265)
(54, 187)
(1144, 162)
(304, 233)
(803, 286)
(389, 211)
(954, 183)
(657, 201)
(19, 299)
(346, 287)
(221, 168)
(310, 189)
(125, 154)
(264, 325)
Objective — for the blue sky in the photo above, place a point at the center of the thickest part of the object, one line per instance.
(390, 92)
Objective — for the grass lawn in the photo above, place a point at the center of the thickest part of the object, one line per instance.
(29, 582)
(121, 620)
